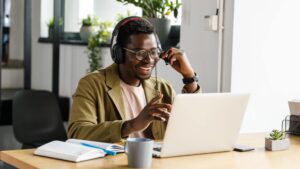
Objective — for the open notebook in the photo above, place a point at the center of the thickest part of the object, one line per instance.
(72, 150)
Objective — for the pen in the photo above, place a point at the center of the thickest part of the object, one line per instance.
(106, 151)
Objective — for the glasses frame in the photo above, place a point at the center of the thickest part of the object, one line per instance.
(147, 51)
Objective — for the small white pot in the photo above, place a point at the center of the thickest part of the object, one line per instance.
(86, 32)
(276, 145)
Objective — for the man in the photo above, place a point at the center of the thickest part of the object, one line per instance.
(123, 100)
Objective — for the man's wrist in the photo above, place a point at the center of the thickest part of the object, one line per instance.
(188, 75)
(127, 128)
(190, 79)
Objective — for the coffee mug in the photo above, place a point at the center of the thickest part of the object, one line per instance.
(139, 152)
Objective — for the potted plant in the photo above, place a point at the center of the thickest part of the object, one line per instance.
(94, 42)
(276, 141)
(50, 25)
(88, 27)
(156, 12)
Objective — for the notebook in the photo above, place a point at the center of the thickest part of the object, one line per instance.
(72, 150)
(108, 146)
(202, 123)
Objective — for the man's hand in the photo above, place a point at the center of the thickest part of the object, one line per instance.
(178, 60)
(152, 111)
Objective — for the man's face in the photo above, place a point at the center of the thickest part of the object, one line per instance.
(135, 69)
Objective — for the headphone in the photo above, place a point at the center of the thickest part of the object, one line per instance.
(116, 49)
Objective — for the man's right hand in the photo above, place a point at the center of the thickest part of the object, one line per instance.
(152, 111)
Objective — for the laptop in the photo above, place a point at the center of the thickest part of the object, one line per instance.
(202, 123)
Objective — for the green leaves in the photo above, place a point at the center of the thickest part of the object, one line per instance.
(94, 50)
(89, 21)
(155, 8)
(277, 135)
(50, 23)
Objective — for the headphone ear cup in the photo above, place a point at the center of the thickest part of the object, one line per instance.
(117, 54)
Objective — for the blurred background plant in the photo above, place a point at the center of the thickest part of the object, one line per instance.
(89, 27)
(50, 25)
(94, 51)
(120, 16)
(155, 8)
(90, 21)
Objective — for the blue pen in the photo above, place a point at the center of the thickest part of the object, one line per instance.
(106, 151)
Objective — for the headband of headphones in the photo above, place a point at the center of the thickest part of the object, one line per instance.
(116, 50)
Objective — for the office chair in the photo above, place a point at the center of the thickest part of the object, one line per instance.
(36, 118)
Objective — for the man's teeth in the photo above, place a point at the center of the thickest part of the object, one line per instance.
(145, 68)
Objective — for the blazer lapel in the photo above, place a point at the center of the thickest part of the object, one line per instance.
(150, 91)
(113, 82)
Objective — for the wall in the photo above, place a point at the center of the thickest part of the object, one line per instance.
(16, 36)
(266, 60)
(41, 59)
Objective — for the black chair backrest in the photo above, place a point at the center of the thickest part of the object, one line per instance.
(37, 118)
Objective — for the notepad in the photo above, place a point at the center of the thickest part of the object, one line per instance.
(68, 151)
(108, 146)
(73, 150)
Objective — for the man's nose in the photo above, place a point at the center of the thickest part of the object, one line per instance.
(148, 57)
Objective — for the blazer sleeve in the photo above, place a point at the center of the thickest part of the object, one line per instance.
(84, 122)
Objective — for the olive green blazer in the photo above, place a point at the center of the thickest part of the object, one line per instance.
(97, 112)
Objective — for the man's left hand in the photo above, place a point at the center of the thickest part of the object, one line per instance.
(178, 60)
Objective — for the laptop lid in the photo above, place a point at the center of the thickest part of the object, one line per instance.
(203, 123)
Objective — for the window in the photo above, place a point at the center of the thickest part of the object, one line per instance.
(76, 10)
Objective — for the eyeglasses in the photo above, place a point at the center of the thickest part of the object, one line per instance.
(143, 54)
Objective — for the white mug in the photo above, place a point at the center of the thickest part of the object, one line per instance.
(139, 152)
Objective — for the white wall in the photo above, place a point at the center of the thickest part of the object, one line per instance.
(266, 59)
(16, 36)
(12, 78)
(74, 65)
(41, 59)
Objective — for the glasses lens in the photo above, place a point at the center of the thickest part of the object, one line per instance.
(141, 55)
(153, 53)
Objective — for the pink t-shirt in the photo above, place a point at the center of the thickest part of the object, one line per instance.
(134, 102)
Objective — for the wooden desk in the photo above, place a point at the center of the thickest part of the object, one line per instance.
(258, 159)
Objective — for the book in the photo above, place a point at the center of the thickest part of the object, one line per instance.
(68, 151)
(75, 151)
(107, 146)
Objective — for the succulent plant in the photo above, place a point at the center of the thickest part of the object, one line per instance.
(277, 135)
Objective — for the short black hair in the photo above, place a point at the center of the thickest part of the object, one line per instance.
(133, 27)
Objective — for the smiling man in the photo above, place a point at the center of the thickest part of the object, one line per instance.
(123, 100)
